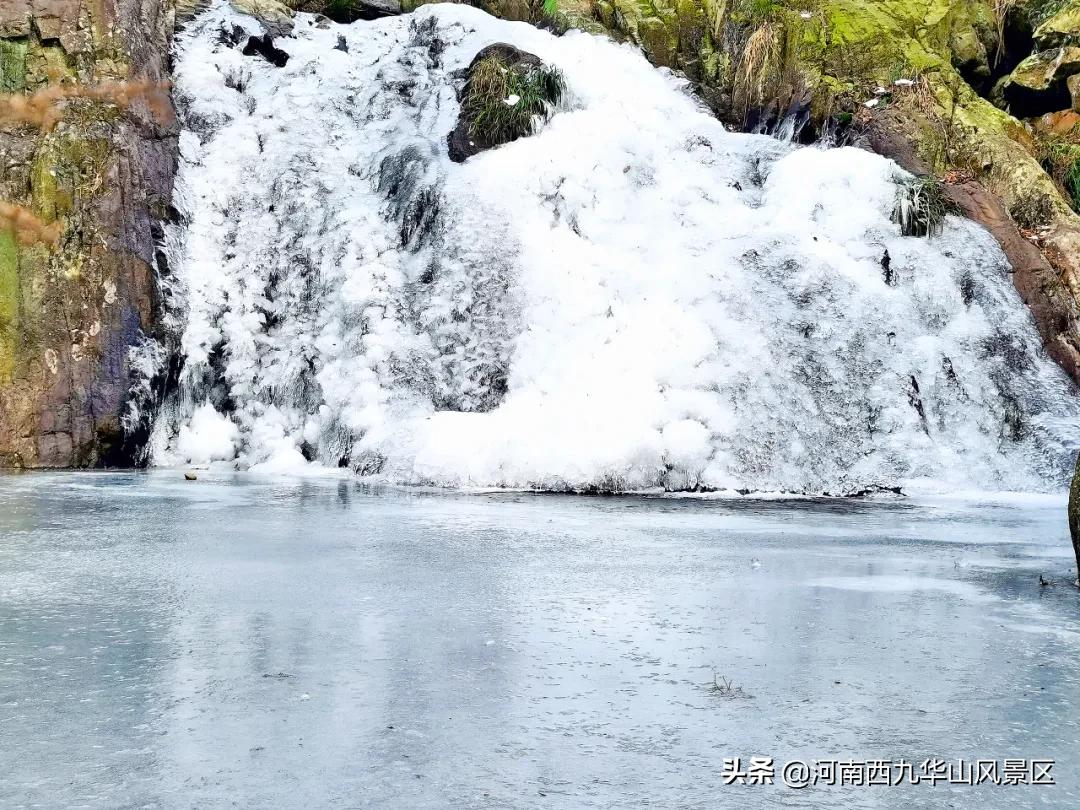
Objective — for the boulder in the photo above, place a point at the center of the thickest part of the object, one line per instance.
(468, 137)
(276, 17)
(1058, 123)
(1063, 28)
(1039, 84)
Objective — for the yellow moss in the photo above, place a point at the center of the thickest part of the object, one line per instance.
(46, 64)
(921, 31)
(68, 165)
(12, 65)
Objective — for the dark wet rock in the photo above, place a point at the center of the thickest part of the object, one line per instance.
(264, 46)
(233, 36)
(886, 269)
(353, 10)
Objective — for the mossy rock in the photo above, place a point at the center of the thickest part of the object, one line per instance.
(969, 55)
(1063, 28)
(605, 11)
(13, 65)
(506, 92)
(68, 166)
(660, 43)
(1039, 84)
(9, 303)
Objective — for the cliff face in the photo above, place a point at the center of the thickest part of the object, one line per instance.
(69, 312)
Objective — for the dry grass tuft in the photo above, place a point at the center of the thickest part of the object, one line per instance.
(758, 65)
(1001, 14)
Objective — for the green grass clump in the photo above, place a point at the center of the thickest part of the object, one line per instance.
(1061, 159)
(755, 12)
(921, 207)
(503, 101)
(1072, 183)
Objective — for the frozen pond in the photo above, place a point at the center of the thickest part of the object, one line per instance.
(257, 643)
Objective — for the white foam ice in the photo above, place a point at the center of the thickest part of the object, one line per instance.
(207, 436)
(630, 298)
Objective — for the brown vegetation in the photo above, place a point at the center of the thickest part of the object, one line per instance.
(28, 229)
(45, 108)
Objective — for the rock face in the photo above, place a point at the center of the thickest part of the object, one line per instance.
(69, 313)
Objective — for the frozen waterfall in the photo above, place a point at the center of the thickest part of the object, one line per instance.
(632, 298)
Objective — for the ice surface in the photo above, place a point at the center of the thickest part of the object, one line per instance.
(265, 642)
(631, 298)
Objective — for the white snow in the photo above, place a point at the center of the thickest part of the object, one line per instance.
(630, 298)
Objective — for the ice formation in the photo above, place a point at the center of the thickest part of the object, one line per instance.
(631, 298)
